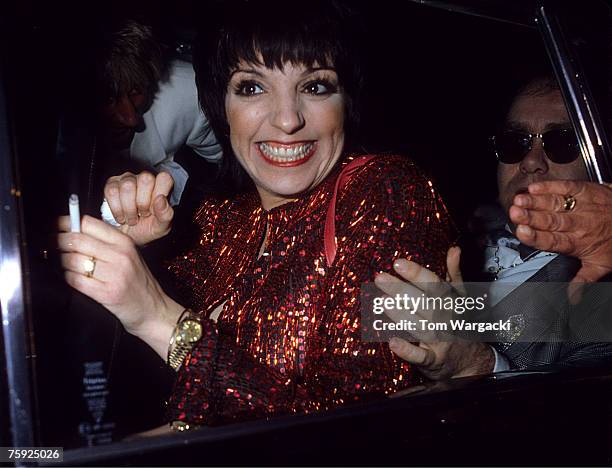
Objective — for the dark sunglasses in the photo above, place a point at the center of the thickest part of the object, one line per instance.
(560, 145)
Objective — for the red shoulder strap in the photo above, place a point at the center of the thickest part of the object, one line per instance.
(329, 235)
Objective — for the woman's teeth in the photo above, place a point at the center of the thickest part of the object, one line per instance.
(283, 153)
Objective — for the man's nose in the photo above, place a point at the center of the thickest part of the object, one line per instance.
(535, 160)
(126, 112)
(287, 115)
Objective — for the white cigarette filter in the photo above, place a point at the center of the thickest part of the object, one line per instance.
(107, 214)
(75, 213)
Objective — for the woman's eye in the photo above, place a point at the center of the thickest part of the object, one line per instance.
(319, 87)
(248, 88)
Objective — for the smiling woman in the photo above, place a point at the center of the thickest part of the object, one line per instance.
(287, 127)
(267, 317)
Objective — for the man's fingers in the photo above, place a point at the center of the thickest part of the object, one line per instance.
(163, 185)
(559, 242)
(454, 275)
(145, 183)
(545, 220)
(127, 195)
(559, 187)
(414, 272)
(130, 196)
(543, 202)
(393, 286)
(419, 333)
(112, 194)
(411, 353)
(163, 212)
(422, 278)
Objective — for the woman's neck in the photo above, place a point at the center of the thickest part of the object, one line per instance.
(270, 201)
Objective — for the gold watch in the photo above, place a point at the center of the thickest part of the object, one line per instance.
(187, 332)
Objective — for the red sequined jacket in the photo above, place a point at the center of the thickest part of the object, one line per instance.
(288, 337)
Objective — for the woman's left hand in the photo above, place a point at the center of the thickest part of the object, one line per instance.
(119, 280)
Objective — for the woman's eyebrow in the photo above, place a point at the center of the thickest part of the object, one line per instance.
(251, 71)
(315, 69)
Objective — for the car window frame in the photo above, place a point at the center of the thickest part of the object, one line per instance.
(15, 327)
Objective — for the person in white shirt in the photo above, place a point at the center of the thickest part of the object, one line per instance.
(552, 208)
(152, 109)
(174, 120)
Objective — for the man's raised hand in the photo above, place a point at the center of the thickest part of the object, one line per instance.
(139, 203)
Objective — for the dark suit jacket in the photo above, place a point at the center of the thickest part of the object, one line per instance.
(547, 329)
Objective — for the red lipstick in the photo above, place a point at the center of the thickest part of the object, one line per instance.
(277, 163)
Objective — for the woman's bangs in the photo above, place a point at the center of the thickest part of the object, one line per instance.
(275, 50)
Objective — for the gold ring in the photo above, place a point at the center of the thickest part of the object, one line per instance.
(569, 203)
(89, 266)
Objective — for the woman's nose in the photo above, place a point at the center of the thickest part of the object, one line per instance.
(535, 160)
(288, 115)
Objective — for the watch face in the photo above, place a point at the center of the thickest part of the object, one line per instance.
(189, 331)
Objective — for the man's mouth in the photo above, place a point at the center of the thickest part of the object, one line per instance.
(287, 155)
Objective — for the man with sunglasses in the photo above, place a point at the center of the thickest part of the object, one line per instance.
(551, 209)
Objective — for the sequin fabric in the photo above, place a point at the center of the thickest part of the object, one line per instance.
(288, 337)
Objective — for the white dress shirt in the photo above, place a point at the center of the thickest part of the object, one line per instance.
(175, 119)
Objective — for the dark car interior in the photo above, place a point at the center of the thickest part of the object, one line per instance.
(438, 84)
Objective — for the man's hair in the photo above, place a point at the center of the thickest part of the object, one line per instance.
(129, 58)
(272, 33)
(538, 86)
(534, 86)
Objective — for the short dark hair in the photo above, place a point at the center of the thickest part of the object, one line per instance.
(275, 33)
(536, 85)
(129, 57)
(539, 86)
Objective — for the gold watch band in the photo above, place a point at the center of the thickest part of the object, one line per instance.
(177, 355)
(187, 332)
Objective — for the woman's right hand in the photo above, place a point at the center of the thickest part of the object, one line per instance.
(118, 279)
(139, 203)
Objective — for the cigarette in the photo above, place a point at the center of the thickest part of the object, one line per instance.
(75, 214)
